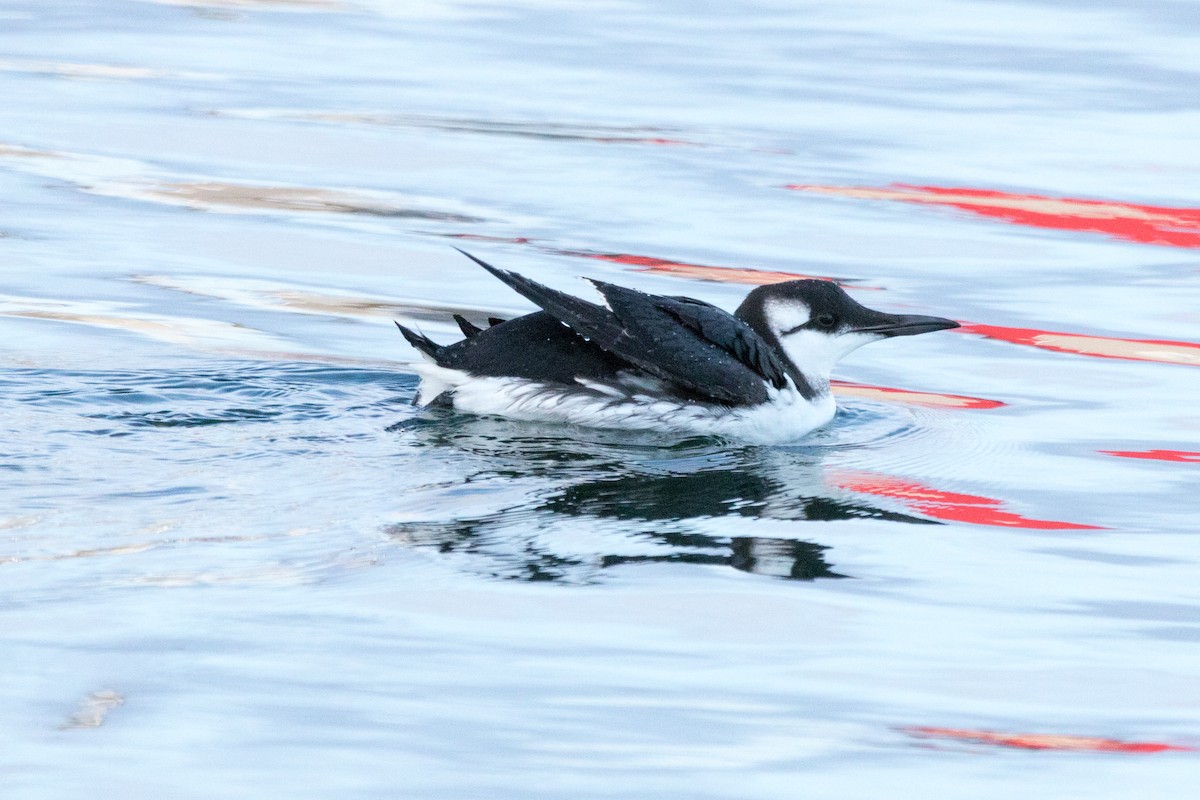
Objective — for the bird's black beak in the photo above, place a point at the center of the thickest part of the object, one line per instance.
(904, 324)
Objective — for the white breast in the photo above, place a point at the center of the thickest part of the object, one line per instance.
(785, 417)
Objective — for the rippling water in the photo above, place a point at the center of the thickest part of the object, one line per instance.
(236, 560)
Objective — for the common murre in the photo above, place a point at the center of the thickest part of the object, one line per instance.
(654, 362)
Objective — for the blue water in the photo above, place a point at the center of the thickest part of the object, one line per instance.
(235, 561)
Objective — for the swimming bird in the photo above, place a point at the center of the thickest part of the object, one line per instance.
(655, 362)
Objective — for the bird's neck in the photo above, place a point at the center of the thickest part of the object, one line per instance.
(810, 387)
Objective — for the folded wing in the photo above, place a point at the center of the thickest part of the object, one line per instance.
(700, 347)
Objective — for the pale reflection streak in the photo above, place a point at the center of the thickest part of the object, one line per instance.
(130, 179)
(204, 335)
(602, 134)
(188, 331)
(281, 5)
(234, 197)
(274, 574)
(256, 293)
(85, 71)
(94, 709)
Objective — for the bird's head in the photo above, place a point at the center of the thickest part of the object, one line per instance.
(813, 324)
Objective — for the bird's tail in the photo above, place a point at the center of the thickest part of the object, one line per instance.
(427, 346)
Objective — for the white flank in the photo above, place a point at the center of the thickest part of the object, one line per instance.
(785, 417)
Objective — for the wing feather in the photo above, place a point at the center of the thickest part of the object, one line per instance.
(694, 345)
(729, 333)
(468, 328)
(699, 345)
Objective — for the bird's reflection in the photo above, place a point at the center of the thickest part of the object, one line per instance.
(609, 499)
(780, 558)
(718, 492)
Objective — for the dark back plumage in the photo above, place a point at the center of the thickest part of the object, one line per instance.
(702, 350)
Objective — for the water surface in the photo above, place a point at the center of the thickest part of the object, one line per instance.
(237, 560)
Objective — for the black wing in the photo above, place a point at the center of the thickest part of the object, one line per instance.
(537, 347)
(420, 341)
(694, 345)
(707, 322)
(468, 328)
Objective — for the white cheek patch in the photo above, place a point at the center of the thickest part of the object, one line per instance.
(784, 315)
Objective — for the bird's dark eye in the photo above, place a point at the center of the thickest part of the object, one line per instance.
(825, 320)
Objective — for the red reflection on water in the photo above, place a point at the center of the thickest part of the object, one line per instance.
(704, 272)
(664, 266)
(953, 506)
(1042, 741)
(657, 140)
(926, 399)
(1159, 225)
(479, 237)
(1157, 455)
(1163, 351)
